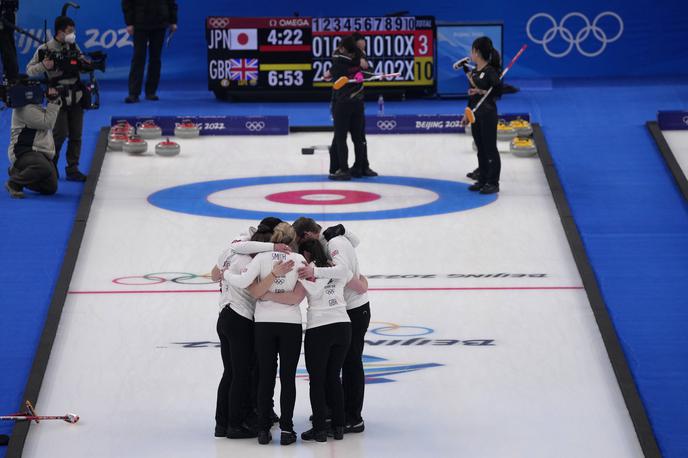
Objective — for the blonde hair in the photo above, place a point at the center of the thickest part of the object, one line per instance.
(283, 233)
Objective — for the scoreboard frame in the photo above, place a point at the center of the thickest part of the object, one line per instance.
(289, 55)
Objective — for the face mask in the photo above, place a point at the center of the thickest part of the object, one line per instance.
(70, 38)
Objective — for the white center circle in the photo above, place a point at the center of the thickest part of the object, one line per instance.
(323, 197)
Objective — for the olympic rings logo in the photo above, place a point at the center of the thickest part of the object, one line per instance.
(255, 126)
(568, 36)
(386, 125)
(157, 278)
(218, 22)
(396, 330)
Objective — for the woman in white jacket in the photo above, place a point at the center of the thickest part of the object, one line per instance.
(278, 331)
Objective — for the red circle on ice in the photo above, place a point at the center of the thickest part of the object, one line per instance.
(242, 38)
(323, 197)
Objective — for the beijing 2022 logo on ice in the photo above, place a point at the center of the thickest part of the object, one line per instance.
(383, 335)
(590, 32)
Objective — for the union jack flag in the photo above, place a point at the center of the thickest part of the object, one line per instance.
(243, 69)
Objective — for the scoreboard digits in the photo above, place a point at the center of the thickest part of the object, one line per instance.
(293, 53)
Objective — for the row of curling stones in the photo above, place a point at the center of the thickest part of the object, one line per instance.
(519, 146)
(509, 130)
(148, 130)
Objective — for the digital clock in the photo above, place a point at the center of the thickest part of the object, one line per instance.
(248, 55)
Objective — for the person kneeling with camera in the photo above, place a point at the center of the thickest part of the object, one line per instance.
(60, 59)
(32, 148)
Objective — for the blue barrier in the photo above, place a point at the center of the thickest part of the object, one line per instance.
(216, 125)
(425, 124)
(672, 120)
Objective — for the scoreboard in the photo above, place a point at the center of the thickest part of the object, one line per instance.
(288, 54)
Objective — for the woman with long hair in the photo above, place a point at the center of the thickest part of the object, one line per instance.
(278, 332)
(484, 130)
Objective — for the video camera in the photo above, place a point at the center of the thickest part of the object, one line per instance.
(22, 93)
(72, 61)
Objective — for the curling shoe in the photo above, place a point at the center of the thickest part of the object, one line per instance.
(313, 435)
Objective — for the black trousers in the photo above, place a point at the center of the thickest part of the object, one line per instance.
(34, 171)
(353, 377)
(349, 117)
(150, 41)
(9, 54)
(236, 347)
(326, 348)
(361, 161)
(272, 339)
(69, 124)
(484, 132)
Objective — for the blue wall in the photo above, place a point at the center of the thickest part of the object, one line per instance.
(652, 40)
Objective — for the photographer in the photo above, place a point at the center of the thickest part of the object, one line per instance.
(147, 21)
(32, 147)
(71, 118)
(8, 12)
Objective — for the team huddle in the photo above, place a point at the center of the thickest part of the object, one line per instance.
(264, 275)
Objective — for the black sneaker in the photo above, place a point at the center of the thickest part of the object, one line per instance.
(476, 186)
(264, 437)
(337, 432)
(132, 99)
(474, 175)
(313, 435)
(287, 437)
(340, 175)
(369, 172)
(355, 173)
(355, 428)
(152, 97)
(242, 432)
(220, 431)
(15, 190)
(489, 189)
(75, 175)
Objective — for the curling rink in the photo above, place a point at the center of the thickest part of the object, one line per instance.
(482, 341)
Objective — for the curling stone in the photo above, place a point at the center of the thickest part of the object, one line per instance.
(167, 148)
(116, 141)
(135, 145)
(186, 129)
(523, 127)
(148, 130)
(504, 131)
(523, 147)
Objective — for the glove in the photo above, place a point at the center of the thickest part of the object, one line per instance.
(333, 231)
(461, 63)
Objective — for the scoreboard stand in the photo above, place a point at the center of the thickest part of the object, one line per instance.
(286, 58)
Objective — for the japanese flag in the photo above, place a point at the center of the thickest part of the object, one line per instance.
(243, 39)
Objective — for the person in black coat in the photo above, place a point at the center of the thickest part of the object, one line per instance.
(8, 11)
(147, 21)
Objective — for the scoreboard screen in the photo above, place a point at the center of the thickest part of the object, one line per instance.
(282, 54)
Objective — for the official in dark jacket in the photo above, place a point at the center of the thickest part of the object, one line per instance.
(147, 21)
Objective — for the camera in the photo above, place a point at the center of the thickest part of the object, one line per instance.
(22, 93)
(73, 62)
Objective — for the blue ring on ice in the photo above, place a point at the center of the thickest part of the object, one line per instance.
(193, 198)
